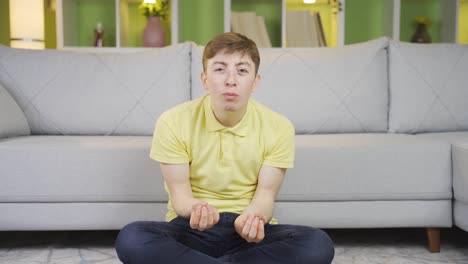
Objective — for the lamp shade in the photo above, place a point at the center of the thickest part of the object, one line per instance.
(27, 24)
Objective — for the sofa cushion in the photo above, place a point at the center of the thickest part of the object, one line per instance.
(13, 123)
(79, 169)
(347, 167)
(459, 142)
(460, 215)
(454, 138)
(106, 93)
(322, 90)
(428, 90)
(460, 172)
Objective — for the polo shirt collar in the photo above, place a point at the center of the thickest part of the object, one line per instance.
(213, 124)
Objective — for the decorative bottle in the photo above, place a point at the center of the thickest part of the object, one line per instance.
(421, 35)
(99, 35)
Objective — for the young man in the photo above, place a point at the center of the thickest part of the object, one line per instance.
(223, 158)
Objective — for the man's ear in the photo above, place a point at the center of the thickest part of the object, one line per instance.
(203, 80)
(257, 80)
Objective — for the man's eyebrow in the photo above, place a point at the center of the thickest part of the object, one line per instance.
(220, 62)
(243, 63)
(237, 64)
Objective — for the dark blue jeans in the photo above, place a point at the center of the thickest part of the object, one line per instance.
(175, 242)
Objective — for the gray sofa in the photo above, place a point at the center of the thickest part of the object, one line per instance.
(382, 134)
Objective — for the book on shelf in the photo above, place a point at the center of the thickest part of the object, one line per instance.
(321, 33)
(304, 29)
(252, 26)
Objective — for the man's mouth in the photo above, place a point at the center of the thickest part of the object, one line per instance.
(230, 95)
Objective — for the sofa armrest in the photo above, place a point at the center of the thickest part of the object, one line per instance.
(13, 122)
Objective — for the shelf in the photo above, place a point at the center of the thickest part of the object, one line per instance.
(131, 33)
(199, 21)
(442, 13)
(328, 14)
(271, 10)
(122, 22)
(80, 19)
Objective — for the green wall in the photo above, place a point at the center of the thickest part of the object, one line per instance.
(364, 20)
(135, 28)
(413, 8)
(200, 21)
(4, 23)
(90, 12)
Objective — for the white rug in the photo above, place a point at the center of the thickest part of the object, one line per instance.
(363, 246)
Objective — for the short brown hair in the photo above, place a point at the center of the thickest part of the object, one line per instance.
(231, 42)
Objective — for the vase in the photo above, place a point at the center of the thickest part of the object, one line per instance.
(421, 35)
(153, 34)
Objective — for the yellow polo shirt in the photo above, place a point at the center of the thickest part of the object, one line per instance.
(224, 162)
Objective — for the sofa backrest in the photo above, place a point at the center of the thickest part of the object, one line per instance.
(428, 87)
(69, 93)
(321, 90)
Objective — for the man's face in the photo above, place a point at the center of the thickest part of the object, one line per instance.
(230, 79)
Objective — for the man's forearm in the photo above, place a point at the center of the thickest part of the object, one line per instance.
(183, 205)
(262, 206)
(269, 183)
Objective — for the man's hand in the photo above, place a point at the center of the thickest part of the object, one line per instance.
(250, 227)
(203, 216)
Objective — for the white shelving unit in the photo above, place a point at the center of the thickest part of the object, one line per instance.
(391, 19)
(118, 6)
(228, 8)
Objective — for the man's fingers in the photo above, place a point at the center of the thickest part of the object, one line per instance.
(195, 216)
(244, 219)
(198, 209)
(194, 221)
(253, 229)
(247, 226)
(210, 214)
(261, 231)
(203, 218)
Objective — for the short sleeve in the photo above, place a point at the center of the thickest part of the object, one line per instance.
(167, 146)
(281, 152)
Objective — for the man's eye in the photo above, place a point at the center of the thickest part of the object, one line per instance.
(218, 69)
(244, 71)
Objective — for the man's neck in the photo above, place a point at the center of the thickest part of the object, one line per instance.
(229, 119)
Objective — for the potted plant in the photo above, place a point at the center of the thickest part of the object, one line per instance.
(154, 11)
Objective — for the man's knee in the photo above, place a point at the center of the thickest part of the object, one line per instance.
(317, 245)
(129, 240)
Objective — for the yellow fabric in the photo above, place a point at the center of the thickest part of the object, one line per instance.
(224, 162)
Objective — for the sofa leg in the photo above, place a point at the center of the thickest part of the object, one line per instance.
(433, 238)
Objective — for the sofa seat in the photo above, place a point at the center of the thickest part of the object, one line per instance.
(117, 168)
(459, 141)
(368, 180)
(79, 169)
(360, 167)
(460, 184)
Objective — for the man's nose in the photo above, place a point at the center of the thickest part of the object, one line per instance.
(231, 79)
